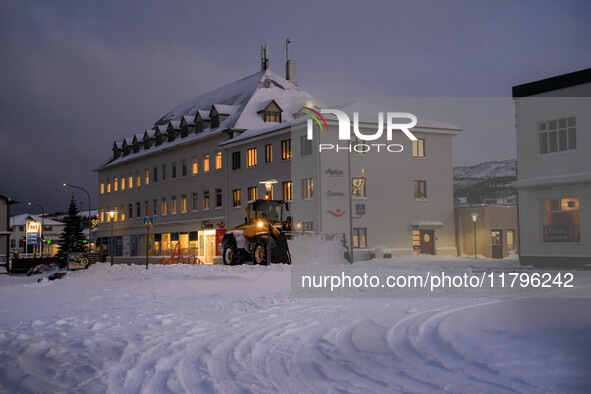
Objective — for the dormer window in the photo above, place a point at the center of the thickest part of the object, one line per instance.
(271, 112)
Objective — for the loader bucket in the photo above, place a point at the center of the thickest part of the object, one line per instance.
(281, 250)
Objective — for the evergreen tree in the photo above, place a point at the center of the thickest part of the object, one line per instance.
(71, 239)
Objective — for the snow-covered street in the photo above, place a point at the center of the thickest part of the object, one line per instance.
(237, 329)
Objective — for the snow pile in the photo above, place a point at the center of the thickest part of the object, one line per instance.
(236, 329)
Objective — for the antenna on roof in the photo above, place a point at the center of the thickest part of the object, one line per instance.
(264, 57)
(290, 69)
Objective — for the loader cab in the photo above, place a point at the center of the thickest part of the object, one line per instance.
(271, 210)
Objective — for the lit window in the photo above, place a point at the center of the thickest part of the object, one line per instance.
(251, 159)
(252, 193)
(138, 179)
(237, 198)
(184, 203)
(205, 163)
(307, 188)
(218, 198)
(129, 181)
(360, 238)
(164, 209)
(122, 213)
(122, 182)
(416, 241)
(269, 153)
(195, 165)
(115, 184)
(102, 189)
(236, 160)
(557, 135)
(561, 222)
(218, 160)
(287, 190)
(272, 116)
(206, 199)
(420, 189)
(358, 187)
(286, 149)
(418, 148)
(173, 205)
(147, 177)
(305, 146)
(108, 186)
(102, 215)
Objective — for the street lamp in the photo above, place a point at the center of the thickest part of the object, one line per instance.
(42, 224)
(89, 223)
(474, 218)
(111, 215)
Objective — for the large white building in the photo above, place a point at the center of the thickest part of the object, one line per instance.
(195, 170)
(553, 124)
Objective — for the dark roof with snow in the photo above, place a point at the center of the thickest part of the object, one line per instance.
(553, 83)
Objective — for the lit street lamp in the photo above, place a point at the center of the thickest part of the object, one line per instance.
(474, 218)
(89, 222)
(42, 224)
(111, 215)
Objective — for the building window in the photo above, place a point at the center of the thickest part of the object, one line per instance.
(218, 198)
(184, 167)
(235, 160)
(272, 116)
(184, 203)
(358, 187)
(154, 207)
(102, 187)
(102, 217)
(360, 238)
(115, 184)
(173, 205)
(130, 209)
(305, 146)
(205, 163)
(307, 188)
(137, 210)
(420, 189)
(164, 208)
(253, 193)
(287, 190)
(138, 179)
(308, 226)
(557, 135)
(147, 176)
(510, 239)
(146, 208)
(269, 153)
(173, 169)
(155, 174)
(122, 182)
(418, 148)
(561, 220)
(163, 172)
(195, 202)
(237, 198)
(286, 149)
(206, 199)
(251, 157)
(129, 181)
(195, 165)
(218, 160)
(416, 241)
(108, 186)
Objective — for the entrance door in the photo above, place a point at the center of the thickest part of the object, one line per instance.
(496, 240)
(427, 242)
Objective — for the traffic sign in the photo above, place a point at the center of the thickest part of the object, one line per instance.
(360, 209)
(148, 221)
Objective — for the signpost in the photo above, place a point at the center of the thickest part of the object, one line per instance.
(148, 222)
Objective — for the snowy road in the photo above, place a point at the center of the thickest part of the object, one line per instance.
(237, 329)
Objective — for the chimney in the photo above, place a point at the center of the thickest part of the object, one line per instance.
(290, 69)
(264, 57)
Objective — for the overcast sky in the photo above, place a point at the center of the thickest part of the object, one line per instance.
(74, 76)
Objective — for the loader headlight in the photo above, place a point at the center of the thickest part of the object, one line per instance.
(260, 223)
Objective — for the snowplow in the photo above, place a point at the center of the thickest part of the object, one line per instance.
(262, 237)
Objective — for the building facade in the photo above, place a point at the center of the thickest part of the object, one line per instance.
(195, 171)
(5, 232)
(553, 170)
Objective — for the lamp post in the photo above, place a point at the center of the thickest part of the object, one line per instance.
(42, 224)
(474, 218)
(111, 215)
(89, 223)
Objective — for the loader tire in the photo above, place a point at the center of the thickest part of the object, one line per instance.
(232, 255)
(259, 252)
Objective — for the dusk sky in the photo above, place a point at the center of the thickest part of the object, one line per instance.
(75, 76)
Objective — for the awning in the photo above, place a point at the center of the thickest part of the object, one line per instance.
(426, 224)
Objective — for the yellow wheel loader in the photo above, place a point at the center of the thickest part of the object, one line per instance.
(261, 239)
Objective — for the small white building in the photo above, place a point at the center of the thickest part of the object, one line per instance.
(553, 124)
